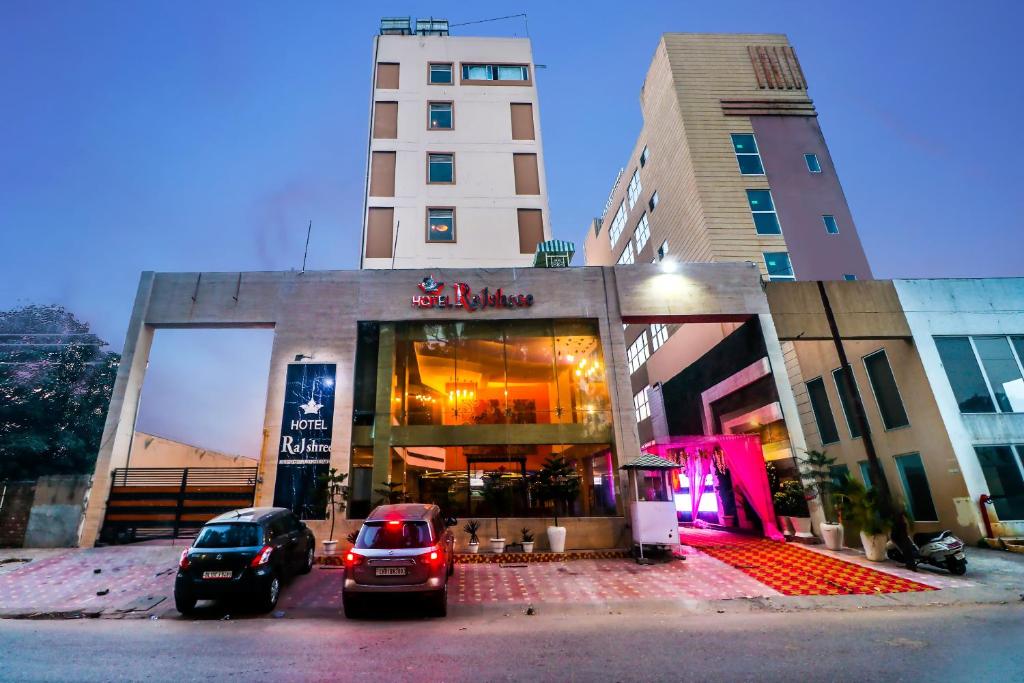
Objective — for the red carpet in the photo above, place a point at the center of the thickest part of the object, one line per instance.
(793, 570)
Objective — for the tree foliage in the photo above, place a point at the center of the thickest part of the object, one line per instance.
(55, 386)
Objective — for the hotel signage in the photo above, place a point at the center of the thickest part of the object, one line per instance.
(304, 450)
(462, 296)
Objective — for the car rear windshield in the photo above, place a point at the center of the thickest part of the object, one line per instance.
(393, 536)
(229, 536)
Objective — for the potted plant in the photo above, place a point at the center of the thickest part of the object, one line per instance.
(862, 507)
(495, 488)
(791, 502)
(527, 539)
(818, 478)
(351, 538)
(471, 527)
(391, 493)
(336, 493)
(558, 482)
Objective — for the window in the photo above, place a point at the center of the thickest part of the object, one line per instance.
(381, 536)
(766, 222)
(495, 72)
(831, 227)
(618, 224)
(637, 353)
(915, 487)
(234, 535)
(627, 257)
(440, 225)
(822, 410)
(865, 472)
(522, 121)
(846, 399)
(633, 189)
(887, 395)
(653, 201)
(659, 335)
(440, 116)
(839, 474)
(849, 277)
(984, 372)
(663, 250)
(1003, 475)
(643, 157)
(440, 74)
(778, 265)
(641, 404)
(812, 163)
(387, 75)
(642, 233)
(747, 156)
(441, 168)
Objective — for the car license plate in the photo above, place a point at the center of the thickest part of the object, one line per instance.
(390, 571)
(959, 556)
(216, 575)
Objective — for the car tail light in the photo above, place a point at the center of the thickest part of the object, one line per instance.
(353, 558)
(432, 558)
(183, 563)
(262, 557)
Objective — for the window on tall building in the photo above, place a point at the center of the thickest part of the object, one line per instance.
(441, 168)
(747, 155)
(778, 265)
(637, 353)
(643, 157)
(1002, 467)
(865, 472)
(812, 163)
(642, 233)
(846, 393)
(659, 335)
(915, 487)
(984, 372)
(440, 116)
(831, 227)
(822, 410)
(633, 189)
(663, 251)
(849, 277)
(440, 74)
(627, 257)
(441, 225)
(641, 404)
(766, 221)
(495, 72)
(618, 224)
(887, 394)
(653, 201)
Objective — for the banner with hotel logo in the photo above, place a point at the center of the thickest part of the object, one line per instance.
(304, 451)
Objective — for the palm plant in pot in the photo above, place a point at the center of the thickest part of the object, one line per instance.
(862, 507)
(336, 494)
(527, 536)
(558, 482)
(495, 490)
(818, 479)
(471, 527)
(791, 502)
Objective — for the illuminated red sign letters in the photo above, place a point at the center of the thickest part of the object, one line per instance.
(463, 297)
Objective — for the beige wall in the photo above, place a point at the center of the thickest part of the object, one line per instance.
(149, 450)
(484, 194)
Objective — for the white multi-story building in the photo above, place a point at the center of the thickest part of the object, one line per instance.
(455, 167)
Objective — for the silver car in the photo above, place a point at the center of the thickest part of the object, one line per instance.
(405, 548)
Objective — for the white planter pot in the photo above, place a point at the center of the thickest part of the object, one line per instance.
(330, 548)
(556, 538)
(874, 546)
(801, 527)
(474, 548)
(527, 546)
(832, 535)
(497, 545)
(784, 525)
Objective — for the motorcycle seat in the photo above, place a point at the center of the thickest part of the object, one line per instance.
(927, 537)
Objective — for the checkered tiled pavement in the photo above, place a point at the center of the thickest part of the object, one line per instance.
(792, 569)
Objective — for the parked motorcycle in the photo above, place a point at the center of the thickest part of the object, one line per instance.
(940, 549)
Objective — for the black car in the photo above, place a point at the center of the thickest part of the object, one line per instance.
(244, 554)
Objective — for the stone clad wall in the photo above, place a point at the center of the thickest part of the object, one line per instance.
(14, 512)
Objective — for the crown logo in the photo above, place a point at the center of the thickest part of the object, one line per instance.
(312, 407)
(430, 285)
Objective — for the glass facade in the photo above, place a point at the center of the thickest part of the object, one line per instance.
(473, 409)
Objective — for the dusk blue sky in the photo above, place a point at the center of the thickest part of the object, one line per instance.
(177, 136)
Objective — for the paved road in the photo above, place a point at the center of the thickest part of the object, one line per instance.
(979, 643)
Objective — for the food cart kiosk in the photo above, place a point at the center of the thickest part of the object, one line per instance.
(652, 511)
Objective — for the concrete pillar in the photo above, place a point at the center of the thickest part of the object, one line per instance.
(384, 407)
(115, 445)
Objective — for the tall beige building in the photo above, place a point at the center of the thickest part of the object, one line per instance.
(455, 167)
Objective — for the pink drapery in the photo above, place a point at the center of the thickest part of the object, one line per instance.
(698, 464)
(745, 462)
